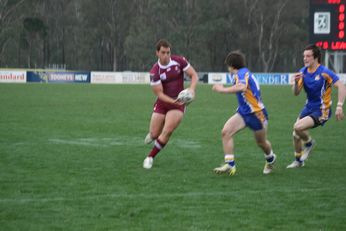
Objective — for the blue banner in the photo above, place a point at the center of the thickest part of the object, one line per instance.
(58, 77)
(272, 78)
(265, 78)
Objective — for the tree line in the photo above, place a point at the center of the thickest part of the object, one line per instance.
(119, 35)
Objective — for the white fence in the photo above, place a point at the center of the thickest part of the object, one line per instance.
(12, 76)
(128, 77)
(119, 77)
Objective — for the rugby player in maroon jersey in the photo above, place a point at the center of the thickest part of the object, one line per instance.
(167, 80)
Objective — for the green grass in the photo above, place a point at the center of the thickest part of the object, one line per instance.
(71, 159)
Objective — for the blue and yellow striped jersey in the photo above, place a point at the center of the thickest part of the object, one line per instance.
(250, 100)
(318, 87)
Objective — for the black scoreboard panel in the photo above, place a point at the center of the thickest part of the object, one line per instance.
(327, 24)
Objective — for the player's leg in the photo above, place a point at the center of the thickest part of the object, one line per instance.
(171, 122)
(156, 124)
(155, 128)
(301, 128)
(231, 127)
(265, 145)
(262, 142)
(300, 136)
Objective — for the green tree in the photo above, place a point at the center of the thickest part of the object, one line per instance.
(8, 20)
(117, 35)
(33, 37)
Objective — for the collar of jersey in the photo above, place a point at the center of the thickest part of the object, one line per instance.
(171, 63)
(307, 69)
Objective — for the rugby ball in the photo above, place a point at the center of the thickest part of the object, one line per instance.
(185, 96)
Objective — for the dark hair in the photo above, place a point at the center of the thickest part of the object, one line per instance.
(316, 51)
(235, 59)
(162, 43)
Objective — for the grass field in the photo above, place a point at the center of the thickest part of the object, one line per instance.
(71, 159)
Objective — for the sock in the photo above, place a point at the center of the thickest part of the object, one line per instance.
(298, 155)
(229, 159)
(270, 157)
(308, 143)
(158, 145)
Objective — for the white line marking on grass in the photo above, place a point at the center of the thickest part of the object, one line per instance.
(75, 142)
(186, 143)
(96, 142)
(150, 195)
(120, 141)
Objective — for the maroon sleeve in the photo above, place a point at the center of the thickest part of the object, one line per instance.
(184, 64)
(154, 75)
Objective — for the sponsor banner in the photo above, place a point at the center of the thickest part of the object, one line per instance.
(273, 78)
(58, 77)
(262, 78)
(202, 76)
(12, 76)
(224, 78)
(120, 77)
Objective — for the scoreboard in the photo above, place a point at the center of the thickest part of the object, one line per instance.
(327, 24)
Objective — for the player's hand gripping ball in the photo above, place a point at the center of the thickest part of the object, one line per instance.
(185, 96)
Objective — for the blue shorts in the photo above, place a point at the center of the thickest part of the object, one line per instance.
(320, 116)
(257, 120)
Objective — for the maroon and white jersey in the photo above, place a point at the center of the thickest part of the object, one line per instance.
(171, 76)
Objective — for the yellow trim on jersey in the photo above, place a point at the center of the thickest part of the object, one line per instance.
(260, 116)
(251, 99)
(327, 94)
(325, 115)
(300, 84)
(312, 70)
(246, 78)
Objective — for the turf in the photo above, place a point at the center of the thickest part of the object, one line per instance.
(71, 159)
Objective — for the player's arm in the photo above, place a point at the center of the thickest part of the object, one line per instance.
(194, 78)
(239, 87)
(158, 91)
(339, 113)
(298, 83)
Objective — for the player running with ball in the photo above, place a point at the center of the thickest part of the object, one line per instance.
(250, 113)
(167, 80)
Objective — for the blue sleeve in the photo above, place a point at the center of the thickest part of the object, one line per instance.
(331, 74)
(241, 77)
